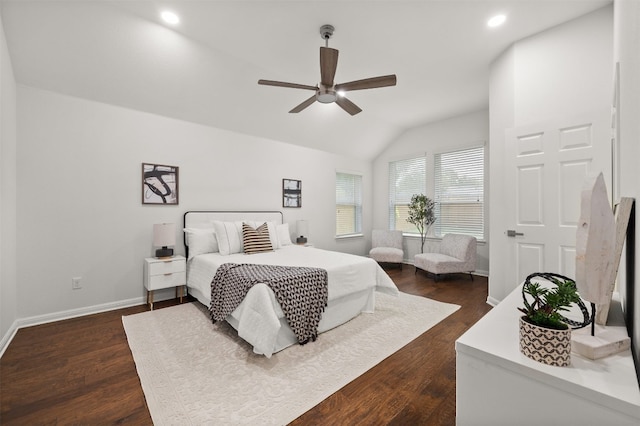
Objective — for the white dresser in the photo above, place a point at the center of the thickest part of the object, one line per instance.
(497, 385)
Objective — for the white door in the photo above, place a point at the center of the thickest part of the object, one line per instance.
(546, 167)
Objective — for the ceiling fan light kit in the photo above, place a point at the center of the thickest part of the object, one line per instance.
(326, 95)
(327, 91)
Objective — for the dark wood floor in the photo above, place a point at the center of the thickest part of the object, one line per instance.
(80, 371)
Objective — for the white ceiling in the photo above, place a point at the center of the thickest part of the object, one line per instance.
(205, 70)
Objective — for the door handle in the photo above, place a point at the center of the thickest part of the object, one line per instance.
(513, 233)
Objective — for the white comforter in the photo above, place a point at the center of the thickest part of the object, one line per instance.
(258, 317)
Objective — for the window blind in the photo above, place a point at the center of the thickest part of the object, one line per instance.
(348, 204)
(459, 192)
(406, 178)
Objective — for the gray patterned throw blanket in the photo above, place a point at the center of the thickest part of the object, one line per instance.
(302, 293)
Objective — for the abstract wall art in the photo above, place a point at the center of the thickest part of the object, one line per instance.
(291, 193)
(159, 184)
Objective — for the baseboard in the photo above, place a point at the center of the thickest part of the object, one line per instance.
(8, 337)
(79, 312)
(63, 315)
(493, 302)
(476, 272)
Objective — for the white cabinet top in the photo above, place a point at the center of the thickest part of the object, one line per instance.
(164, 259)
(609, 381)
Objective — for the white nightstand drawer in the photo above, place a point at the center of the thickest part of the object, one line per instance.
(166, 267)
(167, 280)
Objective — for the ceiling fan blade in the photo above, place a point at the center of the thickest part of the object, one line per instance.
(304, 104)
(347, 105)
(328, 65)
(283, 84)
(367, 83)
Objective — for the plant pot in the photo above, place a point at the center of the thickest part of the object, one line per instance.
(546, 345)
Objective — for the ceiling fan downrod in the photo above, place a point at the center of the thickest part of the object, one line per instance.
(326, 31)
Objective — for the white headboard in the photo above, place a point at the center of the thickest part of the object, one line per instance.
(204, 218)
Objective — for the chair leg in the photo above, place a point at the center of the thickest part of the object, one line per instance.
(471, 275)
(437, 277)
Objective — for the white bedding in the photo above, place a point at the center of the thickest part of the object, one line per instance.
(260, 320)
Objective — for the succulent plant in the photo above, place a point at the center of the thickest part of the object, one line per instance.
(547, 303)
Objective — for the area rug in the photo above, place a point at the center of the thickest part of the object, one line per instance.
(194, 372)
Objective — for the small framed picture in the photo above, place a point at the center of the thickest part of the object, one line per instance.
(159, 184)
(291, 193)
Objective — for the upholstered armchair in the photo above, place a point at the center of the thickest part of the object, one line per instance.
(457, 254)
(387, 246)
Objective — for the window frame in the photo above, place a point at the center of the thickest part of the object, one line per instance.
(355, 203)
(430, 189)
(471, 224)
(395, 200)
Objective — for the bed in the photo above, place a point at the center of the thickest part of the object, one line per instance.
(352, 280)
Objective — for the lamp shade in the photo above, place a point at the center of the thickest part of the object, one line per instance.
(302, 227)
(164, 235)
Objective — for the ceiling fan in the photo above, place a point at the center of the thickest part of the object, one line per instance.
(327, 91)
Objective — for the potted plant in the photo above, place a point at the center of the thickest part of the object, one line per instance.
(545, 335)
(422, 215)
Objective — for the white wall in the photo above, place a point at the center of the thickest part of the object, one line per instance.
(564, 71)
(468, 130)
(627, 53)
(501, 113)
(79, 194)
(8, 294)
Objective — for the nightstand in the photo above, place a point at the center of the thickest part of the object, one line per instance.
(165, 273)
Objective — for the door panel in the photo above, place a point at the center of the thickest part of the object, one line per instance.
(530, 258)
(572, 174)
(575, 137)
(530, 195)
(567, 261)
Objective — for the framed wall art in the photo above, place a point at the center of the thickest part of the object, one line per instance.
(291, 193)
(159, 184)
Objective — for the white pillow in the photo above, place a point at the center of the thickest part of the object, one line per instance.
(284, 236)
(229, 236)
(201, 240)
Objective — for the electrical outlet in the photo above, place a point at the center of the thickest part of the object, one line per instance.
(76, 283)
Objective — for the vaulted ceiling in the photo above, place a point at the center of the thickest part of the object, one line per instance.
(205, 69)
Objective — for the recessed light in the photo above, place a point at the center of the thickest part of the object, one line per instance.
(170, 17)
(496, 21)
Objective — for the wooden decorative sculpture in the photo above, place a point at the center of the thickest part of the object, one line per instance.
(598, 249)
(622, 214)
(595, 241)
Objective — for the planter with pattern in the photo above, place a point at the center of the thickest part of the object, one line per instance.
(546, 345)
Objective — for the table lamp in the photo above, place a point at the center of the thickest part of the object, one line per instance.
(303, 229)
(164, 235)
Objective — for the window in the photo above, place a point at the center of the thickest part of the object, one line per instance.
(406, 178)
(348, 204)
(459, 192)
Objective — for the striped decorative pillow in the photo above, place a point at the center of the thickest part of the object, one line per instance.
(256, 240)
